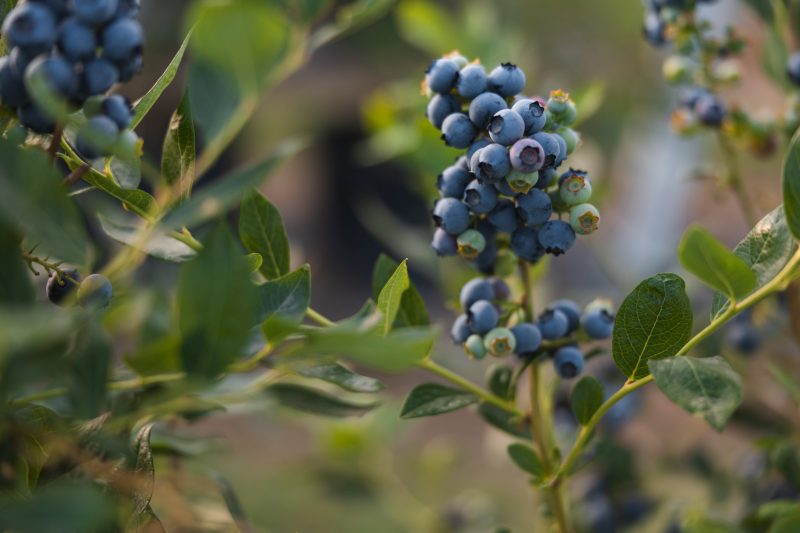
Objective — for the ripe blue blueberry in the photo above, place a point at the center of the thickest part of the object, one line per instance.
(486, 260)
(117, 108)
(18, 60)
(97, 137)
(599, 304)
(484, 107)
(493, 162)
(504, 188)
(575, 187)
(453, 181)
(59, 286)
(444, 244)
(528, 337)
(571, 310)
(460, 331)
(130, 68)
(482, 317)
(501, 289)
(462, 162)
(35, 119)
(584, 219)
(123, 40)
(94, 12)
(743, 337)
(500, 342)
(547, 176)
(507, 80)
(458, 131)
(470, 244)
(568, 362)
(504, 216)
(480, 197)
(553, 324)
(475, 290)
(59, 8)
(477, 145)
(534, 207)
(474, 347)
(525, 244)
(532, 111)
(99, 75)
(52, 77)
(793, 68)
(76, 41)
(710, 110)
(598, 324)
(128, 8)
(552, 148)
(440, 107)
(689, 96)
(451, 215)
(442, 75)
(12, 87)
(556, 237)
(472, 81)
(30, 26)
(527, 155)
(654, 29)
(506, 127)
(563, 149)
(95, 292)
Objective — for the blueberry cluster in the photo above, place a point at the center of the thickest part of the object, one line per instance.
(63, 52)
(490, 325)
(94, 292)
(502, 193)
(661, 16)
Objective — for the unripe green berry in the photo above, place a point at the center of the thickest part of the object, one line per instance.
(678, 69)
(474, 347)
(500, 342)
(505, 264)
(572, 138)
(727, 71)
(575, 189)
(470, 244)
(569, 115)
(522, 182)
(558, 102)
(584, 219)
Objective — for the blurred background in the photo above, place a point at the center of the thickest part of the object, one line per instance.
(365, 185)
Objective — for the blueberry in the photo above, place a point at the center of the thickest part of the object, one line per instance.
(460, 331)
(452, 182)
(128, 8)
(525, 244)
(507, 80)
(522, 182)
(442, 75)
(506, 127)
(689, 96)
(571, 138)
(584, 219)
(99, 75)
(500, 342)
(123, 40)
(793, 68)
(12, 87)
(599, 304)
(127, 145)
(547, 177)
(51, 77)
(472, 81)
(474, 347)
(451, 215)
(118, 108)
(458, 131)
(477, 145)
(485, 262)
(504, 188)
(130, 68)
(654, 29)
(558, 102)
(501, 289)
(59, 8)
(440, 107)
(475, 290)
(30, 26)
(96, 137)
(527, 155)
(18, 60)
(480, 197)
(571, 310)
(562, 149)
(504, 216)
(552, 148)
(710, 110)
(598, 324)
(743, 337)
(528, 337)
(95, 292)
(484, 107)
(532, 111)
(493, 162)
(444, 244)
(575, 187)
(60, 286)
(534, 207)
(556, 237)
(470, 244)
(35, 119)
(553, 324)
(569, 362)
(482, 317)
(462, 162)
(94, 12)
(76, 41)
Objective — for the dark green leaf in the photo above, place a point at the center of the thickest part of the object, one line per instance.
(653, 322)
(391, 294)
(766, 250)
(217, 305)
(791, 185)
(61, 506)
(146, 103)
(341, 376)
(705, 387)
(30, 331)
(34, 199)
(178, 154)
(215, 98)
(431, 399)
(158, 244)
(316, 402)
(159, 356)
(412, 310)
(15, 281)
(587, 397)
(500, 380)
(708, 259)
(261, 231)
(284, 302)
(504, 421)
(525, 458)
(88, 366)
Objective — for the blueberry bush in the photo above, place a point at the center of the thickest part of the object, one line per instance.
(100, 366)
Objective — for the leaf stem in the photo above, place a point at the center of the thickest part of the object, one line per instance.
(734, 180)
(129, 384)
(319, 318)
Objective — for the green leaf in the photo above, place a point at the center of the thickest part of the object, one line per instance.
(15, 281)
(159, 356)
(525, 458)
(158, 243)
(261, 231)
(653, 322)
(391, 295)
(500, 380)
(30, 331)
(217, 305)
(126, 170)
(705, 387)
(412, 310)
(711, 261)
(316, 402)
(284, 302)
(791, 185)
(146, 103)
(587, 397)
(216, 199)
(215, 98)
(504, 421)
(59, 506)
(774, 57)
(431, 399)
(766, 250)
(88, 367)
(254, 261)
(178, 154)
(341, 376)
(34, 199)
(142, 517)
